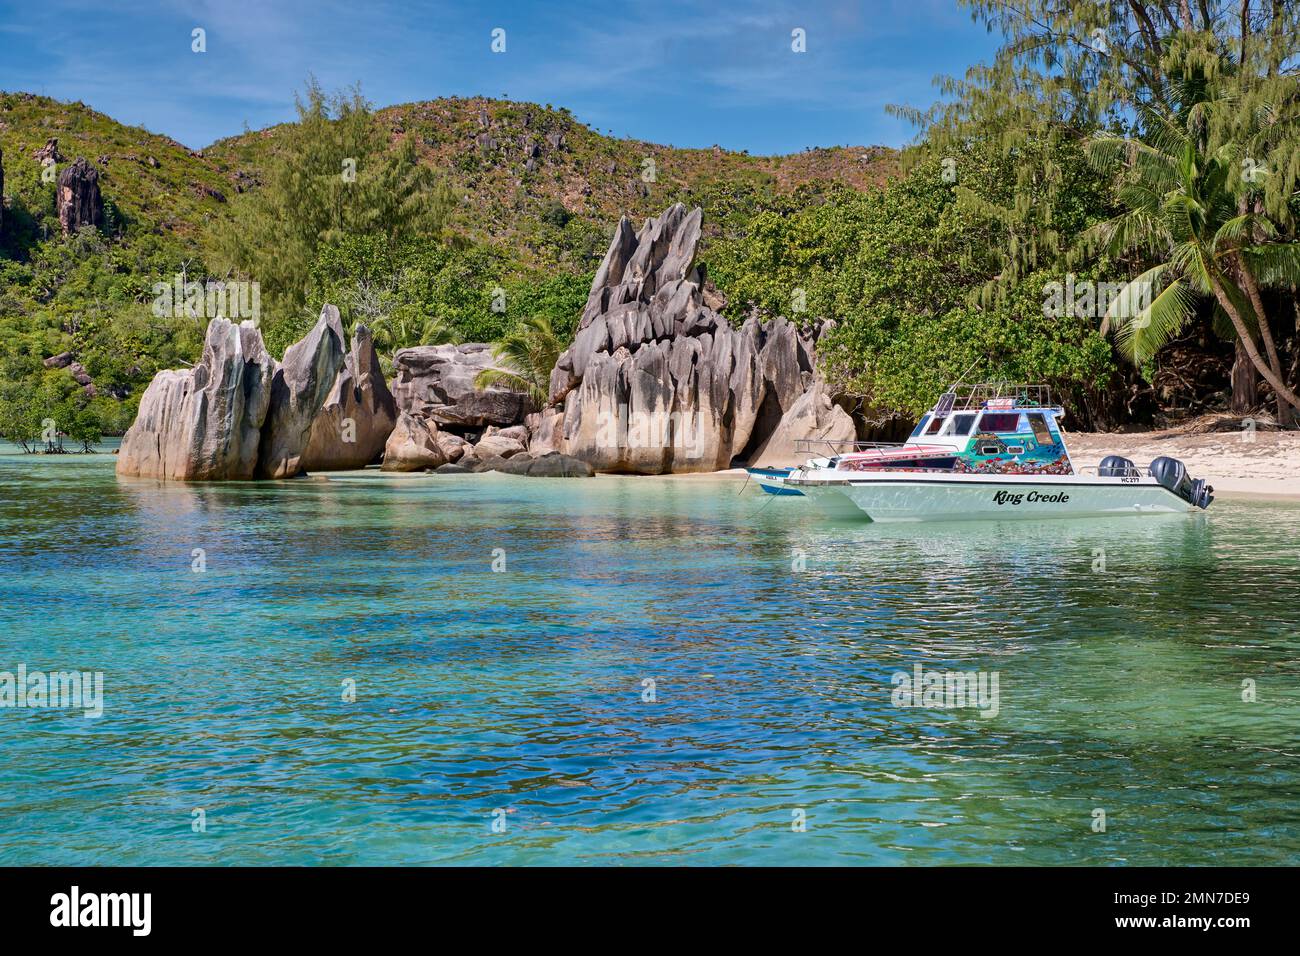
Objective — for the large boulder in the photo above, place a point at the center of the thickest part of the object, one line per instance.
(204, 423)
(657, 381)
(79, 202)
(453, 446)
(555, 465)
(550, 465)
(498, 446)
(812, 417)
(359, 413)
(301, 385)
(437, 382)
(413, 445)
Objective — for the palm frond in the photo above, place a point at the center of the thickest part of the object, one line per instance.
(1155, 326)
(1274, 265)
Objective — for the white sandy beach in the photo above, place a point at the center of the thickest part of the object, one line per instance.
(1237, 464)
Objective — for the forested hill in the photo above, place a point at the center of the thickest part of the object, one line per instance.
(535, 193)
(521, 168)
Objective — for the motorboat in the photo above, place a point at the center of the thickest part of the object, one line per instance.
(772, 480)
(990, 450)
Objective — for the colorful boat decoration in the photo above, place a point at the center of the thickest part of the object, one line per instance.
(992, 450)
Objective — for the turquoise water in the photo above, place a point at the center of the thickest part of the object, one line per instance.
(521, 691)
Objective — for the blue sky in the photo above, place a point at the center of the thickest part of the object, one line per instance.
(685, 74)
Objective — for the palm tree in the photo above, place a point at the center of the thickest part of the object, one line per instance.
(1192, 210)
(393, 324)
(403, 328)
(524, 359)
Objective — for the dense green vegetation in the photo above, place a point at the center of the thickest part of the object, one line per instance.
(456, 220)
(896, 268)
(1192, 113)
(1110, 205)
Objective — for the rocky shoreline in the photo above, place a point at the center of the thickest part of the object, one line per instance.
(656, 381)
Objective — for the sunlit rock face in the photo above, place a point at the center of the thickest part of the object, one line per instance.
(298, 393)
(437, 382)
(656, 380)
(204, 423)
(358, 415)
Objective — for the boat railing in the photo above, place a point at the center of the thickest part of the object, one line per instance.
(979, 395)
(831, 446)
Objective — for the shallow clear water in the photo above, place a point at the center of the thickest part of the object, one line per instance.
(522, 691)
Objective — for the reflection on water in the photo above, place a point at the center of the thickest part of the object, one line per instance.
(1121, 648)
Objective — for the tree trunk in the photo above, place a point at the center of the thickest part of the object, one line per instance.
(1245, 383)
(1248, 342)
(1284, 411)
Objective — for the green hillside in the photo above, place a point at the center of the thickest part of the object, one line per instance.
(536, 194)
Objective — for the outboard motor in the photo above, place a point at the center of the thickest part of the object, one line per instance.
(1171, 473)
(1113, 466)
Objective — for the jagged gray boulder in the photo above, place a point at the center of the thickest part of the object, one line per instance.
(813, 416)
(359, 413)
(657, 381)
(204, 423)
(437, 382)
(78, 198)
(298, 392)
(413, 445)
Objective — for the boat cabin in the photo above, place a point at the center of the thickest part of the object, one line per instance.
(990, 428)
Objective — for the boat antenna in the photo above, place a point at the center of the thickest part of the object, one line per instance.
(953, 388)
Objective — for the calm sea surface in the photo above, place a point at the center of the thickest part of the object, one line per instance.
(650, 679)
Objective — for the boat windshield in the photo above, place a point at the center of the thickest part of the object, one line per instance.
(920, 426)
(1038, 422)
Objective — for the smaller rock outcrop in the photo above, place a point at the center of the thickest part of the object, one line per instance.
(556, 465)
(49, 153)
(78, 196)
(498, 446)
(204, 423)
(62, 360)
(298, 392)
(437, 382)
(353, 426)
(812, 416)
(413, 445)
(551, 465)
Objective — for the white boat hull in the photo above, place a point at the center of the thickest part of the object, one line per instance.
(899, 496)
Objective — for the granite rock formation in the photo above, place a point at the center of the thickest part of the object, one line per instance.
(358, 415)
(204, 423)
(812, 416)
(437, 382)
(298, 393)
(656, 380)
(239, 414)
(413, 445)
(79, 202)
